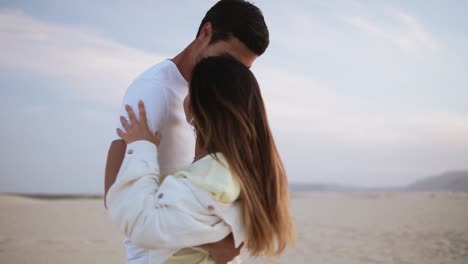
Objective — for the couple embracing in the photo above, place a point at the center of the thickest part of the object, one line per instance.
(194, 174)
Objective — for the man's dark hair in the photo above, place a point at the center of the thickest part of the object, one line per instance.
(239, 19)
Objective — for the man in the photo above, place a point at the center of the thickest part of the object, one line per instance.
(232, 28)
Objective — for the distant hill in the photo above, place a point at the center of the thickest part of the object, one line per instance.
(45, 196)
(331, 187)
(455, 181)
(318, 187)
(452, 181)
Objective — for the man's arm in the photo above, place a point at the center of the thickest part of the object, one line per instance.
(115, 157)
(223, 251)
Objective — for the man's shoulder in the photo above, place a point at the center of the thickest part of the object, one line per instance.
(158, 73)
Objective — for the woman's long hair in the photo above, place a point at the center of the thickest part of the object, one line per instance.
(230, 118)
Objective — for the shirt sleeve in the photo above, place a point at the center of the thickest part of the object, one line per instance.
(159, 216)
(153, 94)
(134, 254)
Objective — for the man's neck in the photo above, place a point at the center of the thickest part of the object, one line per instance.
(185, 61)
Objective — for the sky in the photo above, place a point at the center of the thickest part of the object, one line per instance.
(369, 93)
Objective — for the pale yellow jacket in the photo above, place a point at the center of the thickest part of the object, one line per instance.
(192, 206)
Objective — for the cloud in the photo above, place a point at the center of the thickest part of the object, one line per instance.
(298, 103)
(304, 33)
(100, 69)
(404, 31)
(322, 129)
(96, 67)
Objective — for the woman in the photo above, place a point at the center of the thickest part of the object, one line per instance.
(236, 183)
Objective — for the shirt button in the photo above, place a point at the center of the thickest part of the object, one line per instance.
(130, 151)
(160, 195)
(210, 207)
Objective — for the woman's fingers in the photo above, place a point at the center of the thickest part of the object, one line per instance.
(122, 134)
(142, 112)
(131, 115)
(134, 129)
(125, 124)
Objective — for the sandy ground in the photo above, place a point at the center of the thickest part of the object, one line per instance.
(332, 228)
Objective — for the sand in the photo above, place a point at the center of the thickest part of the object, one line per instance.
(332, 228)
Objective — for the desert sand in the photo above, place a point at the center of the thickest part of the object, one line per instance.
(335, 228)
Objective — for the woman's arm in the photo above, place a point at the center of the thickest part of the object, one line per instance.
(154, 216)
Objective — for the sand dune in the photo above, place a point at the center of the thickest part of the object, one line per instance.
(447, 181)
(332, 228)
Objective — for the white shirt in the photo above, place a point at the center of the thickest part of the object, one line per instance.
(162, 88)
(177, 213)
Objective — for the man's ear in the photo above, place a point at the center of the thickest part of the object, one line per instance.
(206, 32)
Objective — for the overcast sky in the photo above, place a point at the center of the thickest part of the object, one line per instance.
(370, 93)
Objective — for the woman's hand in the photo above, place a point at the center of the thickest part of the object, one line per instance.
(137, 130)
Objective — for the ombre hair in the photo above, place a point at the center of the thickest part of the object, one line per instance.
(230, 118)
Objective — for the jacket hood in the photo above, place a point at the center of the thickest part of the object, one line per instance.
(212, 173)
